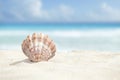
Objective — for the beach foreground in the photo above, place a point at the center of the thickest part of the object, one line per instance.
(75, 65)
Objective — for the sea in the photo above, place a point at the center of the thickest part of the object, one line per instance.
(67, 37)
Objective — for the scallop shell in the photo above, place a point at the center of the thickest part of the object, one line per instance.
(38, 47)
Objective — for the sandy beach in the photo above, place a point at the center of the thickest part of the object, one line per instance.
(75, 65)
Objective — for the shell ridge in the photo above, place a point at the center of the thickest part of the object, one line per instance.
(38, 47)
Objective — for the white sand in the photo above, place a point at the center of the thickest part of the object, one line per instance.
(76, 65)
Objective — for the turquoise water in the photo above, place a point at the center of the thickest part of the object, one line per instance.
(100, 37)
(59, 26)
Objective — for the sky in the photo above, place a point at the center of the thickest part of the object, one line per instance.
(59, 11)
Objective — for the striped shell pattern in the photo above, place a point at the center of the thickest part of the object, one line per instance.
(38, 47)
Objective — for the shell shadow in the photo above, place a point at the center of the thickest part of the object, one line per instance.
(22, 61)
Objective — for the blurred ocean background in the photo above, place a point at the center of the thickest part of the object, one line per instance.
(68, 37)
